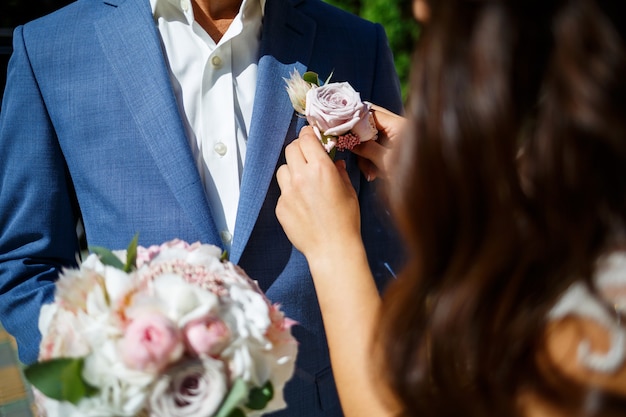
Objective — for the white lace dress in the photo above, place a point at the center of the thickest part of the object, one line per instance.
(578, 301)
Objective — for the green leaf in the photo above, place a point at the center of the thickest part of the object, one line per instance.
(259, 397)
(131, 254)
(224, 257)
(237, 412)
(60, 379)
(329, 77)
(107, 257)
(311, 77)
(237, 394)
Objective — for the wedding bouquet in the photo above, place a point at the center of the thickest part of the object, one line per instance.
(335, 111)
(165, 331)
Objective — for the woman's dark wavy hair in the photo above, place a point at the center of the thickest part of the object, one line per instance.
(510, 183)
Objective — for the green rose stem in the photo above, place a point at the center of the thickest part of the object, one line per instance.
(333, 151)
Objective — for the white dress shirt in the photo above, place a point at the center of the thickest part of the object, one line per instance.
(214, 86)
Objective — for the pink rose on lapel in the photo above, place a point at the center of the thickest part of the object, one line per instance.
(334, 110)
(337, 109)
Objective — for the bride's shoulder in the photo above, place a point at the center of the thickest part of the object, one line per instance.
(585, 336)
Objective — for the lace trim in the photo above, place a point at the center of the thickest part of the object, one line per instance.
(578, 301)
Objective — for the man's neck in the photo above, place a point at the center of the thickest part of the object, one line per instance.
(215, 16)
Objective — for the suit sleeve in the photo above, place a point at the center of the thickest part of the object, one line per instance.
(386, 91)
(38, 213)
(382, 242)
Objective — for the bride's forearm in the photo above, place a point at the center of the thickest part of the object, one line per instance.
(350, 305)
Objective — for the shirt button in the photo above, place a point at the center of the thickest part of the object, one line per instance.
(184, 4)
(220, 149)
(216, 61)
(226, 236)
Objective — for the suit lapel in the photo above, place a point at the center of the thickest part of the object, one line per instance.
(286, 44)
(129, 39)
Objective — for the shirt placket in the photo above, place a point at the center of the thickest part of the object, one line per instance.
(219, 136)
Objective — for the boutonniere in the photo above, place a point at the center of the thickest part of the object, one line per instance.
(335, 111)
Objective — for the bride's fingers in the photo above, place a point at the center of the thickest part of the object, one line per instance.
(293, 154)
(371, 150)
(343, 173)
(379, 109)
(377, 156)
(367, 168)
(311, 147)
(389, 125)
(283, 177)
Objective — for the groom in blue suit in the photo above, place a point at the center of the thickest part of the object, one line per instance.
(95, 125)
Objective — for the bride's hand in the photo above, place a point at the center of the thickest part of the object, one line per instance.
(318, 207)
(374, 156)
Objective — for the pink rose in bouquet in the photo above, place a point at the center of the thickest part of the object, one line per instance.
(151, 342)
(209, 335)
(169, 330)
(334, 110)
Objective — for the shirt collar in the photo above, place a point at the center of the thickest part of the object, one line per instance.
(184, 7)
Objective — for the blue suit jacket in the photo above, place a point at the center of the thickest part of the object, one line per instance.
(90, 127)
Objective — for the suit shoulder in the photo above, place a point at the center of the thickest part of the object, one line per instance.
(66, 21)
(328, 15)
(66, 15)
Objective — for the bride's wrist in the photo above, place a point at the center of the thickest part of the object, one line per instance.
(332, 257)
